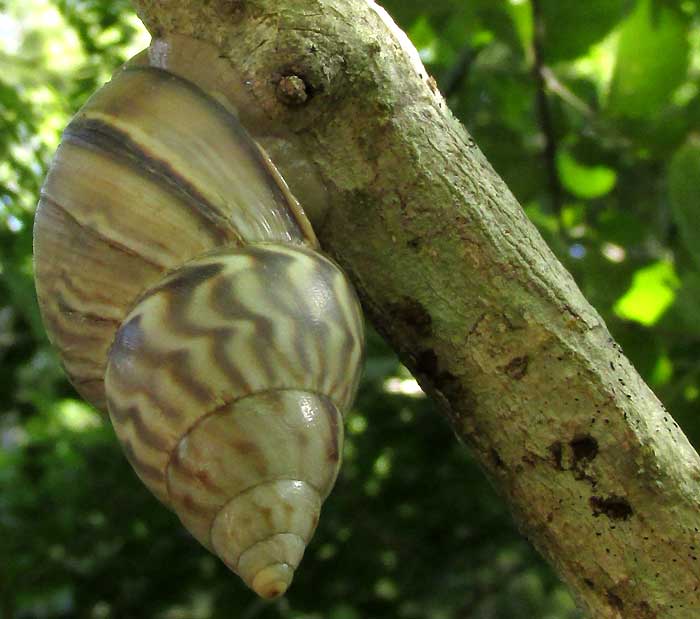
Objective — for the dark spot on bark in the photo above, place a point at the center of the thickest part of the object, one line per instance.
(556, 451)
(584, 448)
(615, 601)
(414, 243)
(517, 368)
(412, 314)
(449, 391)
(293, 90)
(427, 363)
(460, 399)
(497, 460)
(529, 459)
(589, 583)
(646, 612)
(614, 507)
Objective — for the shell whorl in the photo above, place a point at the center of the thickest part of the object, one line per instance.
(182, 285)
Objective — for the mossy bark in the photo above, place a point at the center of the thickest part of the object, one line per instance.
(452, 273)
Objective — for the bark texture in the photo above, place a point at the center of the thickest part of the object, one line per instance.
(450, 270)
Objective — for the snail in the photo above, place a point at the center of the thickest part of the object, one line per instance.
(184, 288)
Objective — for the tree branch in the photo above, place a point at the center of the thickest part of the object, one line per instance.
(450, 270)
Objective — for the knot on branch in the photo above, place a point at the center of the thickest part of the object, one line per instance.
(293, 90)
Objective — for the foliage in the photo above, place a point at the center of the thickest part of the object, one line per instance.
(80, 536)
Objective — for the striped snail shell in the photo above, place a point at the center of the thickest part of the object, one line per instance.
(183, 287)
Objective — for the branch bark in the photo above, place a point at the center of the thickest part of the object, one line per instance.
(452, 273)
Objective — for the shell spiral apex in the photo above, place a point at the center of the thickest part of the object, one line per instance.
(182, 285)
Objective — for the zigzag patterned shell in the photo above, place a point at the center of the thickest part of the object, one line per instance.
(225, 386)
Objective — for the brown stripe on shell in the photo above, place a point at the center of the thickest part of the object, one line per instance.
(279, 263)
(146, 434)
(224, 363)
(250, 450)
(75, 333)
(280, 297)
(227, 306)
(96, 134)
(193, 507)
(96, 234)
(73, 312)
(185, 279)
(92, 389)
(251, 489)
(204, 478)
(335, 321)
(179, 365)
(121, 386)
(336, 430)
(184, 468)
(144, 470)
(130, 341)
(87, 382)
(346, 350)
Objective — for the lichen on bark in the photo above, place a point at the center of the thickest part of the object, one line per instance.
(453, 274)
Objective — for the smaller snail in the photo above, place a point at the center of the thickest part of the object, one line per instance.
(183, 287)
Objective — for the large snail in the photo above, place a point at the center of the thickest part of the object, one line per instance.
(183, 286)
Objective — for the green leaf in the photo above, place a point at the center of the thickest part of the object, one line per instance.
(586, 182)
(652, 61)
(521, 14)
(684, 189)
(652, 292)
(572, 27)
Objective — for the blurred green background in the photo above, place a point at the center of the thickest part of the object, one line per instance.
(590, 111)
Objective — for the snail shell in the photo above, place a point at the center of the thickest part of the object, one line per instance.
(183, 287)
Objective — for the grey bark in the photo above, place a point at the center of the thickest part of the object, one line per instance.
(452, 273)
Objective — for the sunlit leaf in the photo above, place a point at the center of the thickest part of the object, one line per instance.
(584, 181)
(652, 292)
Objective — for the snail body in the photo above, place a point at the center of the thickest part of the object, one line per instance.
(183, 287)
